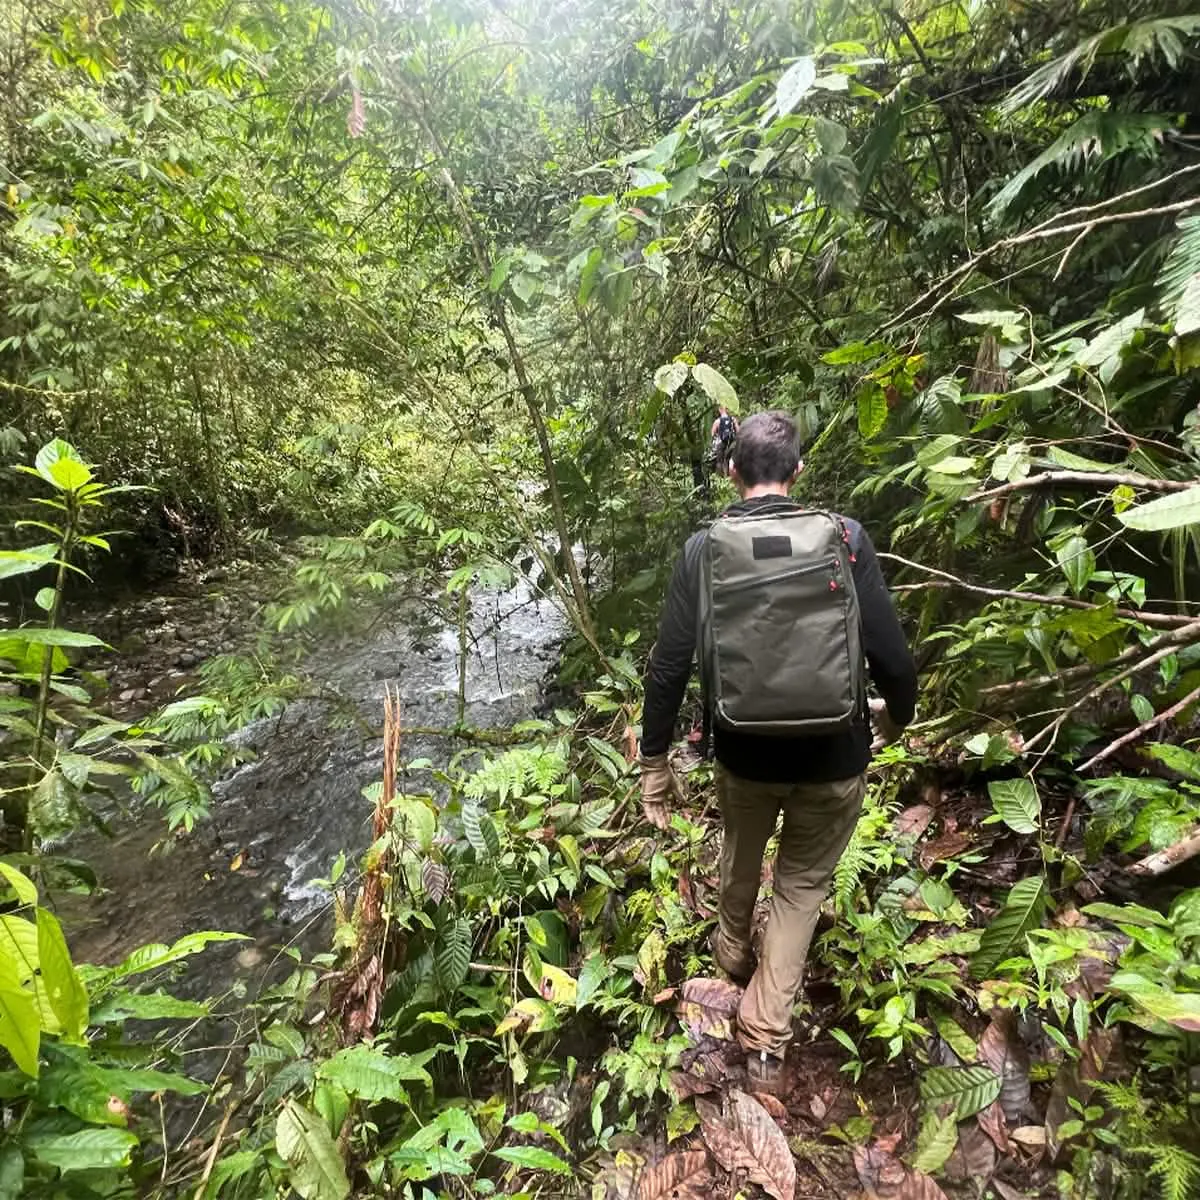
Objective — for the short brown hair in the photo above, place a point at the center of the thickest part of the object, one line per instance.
(767, 449)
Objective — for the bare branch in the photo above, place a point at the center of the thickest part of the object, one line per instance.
(1162, 862)
(1153, 723)
(1094, 478)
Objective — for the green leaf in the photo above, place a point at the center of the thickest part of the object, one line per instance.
(59, 465)
(1181, 1009)
(35, 635)
(718, 389)
(1017, 802)
(20, 1025)
(87, 1150)
(872, 411)
(595, 970)
(1077, 561)
(1075, 462)
(303, 1141)
(794, 84)
(936, 1141)
(1110, 342)
(1127, 914)
(156, 955)
(64, 989)
(968, 1089)
(955, 1036)
(670, 377)
(454, 955)
(481, 832)
(12, 1172)
(1172, 511)
(1022, 911)
(370, 1074)
(23, 562)
(416, 821)
(533, 1158)
(21, 884)
(934, 452)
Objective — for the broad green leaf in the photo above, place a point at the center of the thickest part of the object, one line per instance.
(557, 986)
(20, 883)
(1076, 462)
(316, 1170)
(20, 1025)
(1077, 561)
(34, 635)
(957, 1038)
(64, 989)
(934, 452)
(718, 389)
(1127, 914)
(954, 465)
(1022, 912)
(18, 947)
(416, 821)
(1172, 511)
(24, 562)
(595, 970)
(156, 955)
(1111, 341)
(872, 411)
(1181, 1009)
(533, 1158)
(993, 318)
(936, 1140)
(454, 954)
(59, 465)
(670, 377)
(969, 1089)
(369, 1074)
(12, 1172)
(1017, 802)
(855, 352)
(87, 1150)
(794, 84)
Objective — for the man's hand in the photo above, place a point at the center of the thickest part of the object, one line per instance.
(886, 730)
(659, 788)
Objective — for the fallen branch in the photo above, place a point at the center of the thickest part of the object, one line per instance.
(1166, 860)
(1094, 478)
(1159, 620)
(1168, 644)
(213, 1151)
(1153, 723)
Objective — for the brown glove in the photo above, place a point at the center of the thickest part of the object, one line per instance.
(659, 788)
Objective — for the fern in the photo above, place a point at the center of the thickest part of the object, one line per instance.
(1180, 278)
(518, 772)
(1096, 138)
(1136, 42)
(866, 853)
(1176, 1169)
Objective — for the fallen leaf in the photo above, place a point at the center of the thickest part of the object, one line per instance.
(774, 1106)
(743, 1137)
(1077, 1080)
(992, 1122)
(687, 896)
(818, 1108)
(707, 1007)
(885, 1177)
(1005, 1192)
(238, 859)
(974, 1157)
(913, 822)
(1001, 1049)
(665, 995)
(704, 1073)
(631, 750)
(946, 846)
(685, 1175)
(1029, 1135)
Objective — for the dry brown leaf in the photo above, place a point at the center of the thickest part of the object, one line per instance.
(773, 1105)
(707, 1006)
(1005, 1192)
(744, 1137)
(818, 1108)
(1029, 1135)
(1077, 1080)
(992, 1122)
(1001, 1049)
(946, 846)
(705, 1074)
(885, 1177)
(682, 1176)
(974, 1157)
(913, 822)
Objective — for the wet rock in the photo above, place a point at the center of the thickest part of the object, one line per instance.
(187, 659)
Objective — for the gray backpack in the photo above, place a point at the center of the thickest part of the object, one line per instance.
(779, 639)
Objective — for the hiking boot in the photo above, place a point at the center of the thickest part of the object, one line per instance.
(764, 1073)
(740, 969)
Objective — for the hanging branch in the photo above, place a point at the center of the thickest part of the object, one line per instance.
(1091, 478)
(1132, 736)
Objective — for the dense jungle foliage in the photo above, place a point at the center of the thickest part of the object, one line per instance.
(440, 296)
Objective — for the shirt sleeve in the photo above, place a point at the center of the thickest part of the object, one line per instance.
(671, 657)
(888, 658)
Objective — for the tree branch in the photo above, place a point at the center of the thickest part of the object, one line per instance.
(1095, 478)
(1132, 736)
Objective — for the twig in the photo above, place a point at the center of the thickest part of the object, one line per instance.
(1162, 862)
(1160, 620)
(1132, 736)
(1170, 644)
(1095, 478)
(213, 1151)
(1062, 262)
(1061, 836)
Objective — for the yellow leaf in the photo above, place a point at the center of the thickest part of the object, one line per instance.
(238, 859)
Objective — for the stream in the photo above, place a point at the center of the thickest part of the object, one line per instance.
(280, 819)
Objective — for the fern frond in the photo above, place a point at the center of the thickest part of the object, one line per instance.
(1176, 1169)
(1096, 138)
(1136, 42)
(1180, 278)
(864, 854)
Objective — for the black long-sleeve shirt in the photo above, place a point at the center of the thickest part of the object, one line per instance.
(779, 759)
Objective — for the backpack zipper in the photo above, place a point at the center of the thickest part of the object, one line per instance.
(828, 564)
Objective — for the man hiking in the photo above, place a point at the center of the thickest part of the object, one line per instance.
(790, 611)
(722, 435)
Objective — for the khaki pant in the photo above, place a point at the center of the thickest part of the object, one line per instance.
(818, 819)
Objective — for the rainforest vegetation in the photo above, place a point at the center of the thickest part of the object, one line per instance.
(391, 307)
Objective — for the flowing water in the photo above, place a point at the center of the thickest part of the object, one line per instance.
(280, 820)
